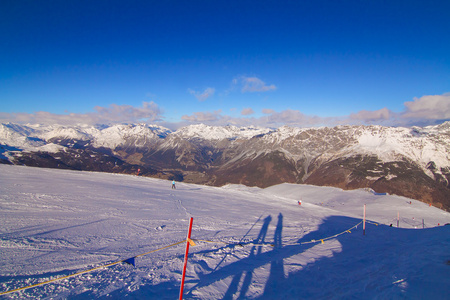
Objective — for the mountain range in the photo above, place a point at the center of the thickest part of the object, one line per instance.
(412, 162)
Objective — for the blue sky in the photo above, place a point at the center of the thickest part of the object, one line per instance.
(267, 63)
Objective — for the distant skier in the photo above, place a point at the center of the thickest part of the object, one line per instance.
(173, 185)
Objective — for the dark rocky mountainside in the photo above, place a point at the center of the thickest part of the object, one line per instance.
(411, 162)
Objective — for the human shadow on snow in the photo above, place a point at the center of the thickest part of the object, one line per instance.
(384, 263)
(355, 269)
(242, 271)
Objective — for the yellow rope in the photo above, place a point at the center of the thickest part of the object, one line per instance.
(165, 247)
(309, 242)
(331, 237)
(87, 271)
(234, 244)
(177, 243)
(215, 242)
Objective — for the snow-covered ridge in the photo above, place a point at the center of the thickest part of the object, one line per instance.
(219, 132)
(116, 135)
(20, 135)
(420, 144)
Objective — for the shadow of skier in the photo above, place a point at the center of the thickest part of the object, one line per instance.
(275, 257)
(233, 288)
(359, 270)
(356, 271)
(277, 265)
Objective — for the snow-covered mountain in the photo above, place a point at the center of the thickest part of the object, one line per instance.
(214, 133)
(414, 162)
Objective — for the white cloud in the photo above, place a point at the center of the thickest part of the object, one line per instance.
(423, 111)
(203, 117)
(293, 118)
(268, 111)
(249, 85)
(377, 115)
(254, 84)
(149, 112)
(427, 110)
(202, 96)
(275, 119)
(247, 112)
(127, 113)
(435, 107)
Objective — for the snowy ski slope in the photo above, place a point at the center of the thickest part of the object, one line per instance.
(263, 245)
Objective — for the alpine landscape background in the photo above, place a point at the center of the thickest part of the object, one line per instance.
(412, 162)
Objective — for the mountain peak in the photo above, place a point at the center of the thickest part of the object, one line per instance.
(229, 132)
(414, 162)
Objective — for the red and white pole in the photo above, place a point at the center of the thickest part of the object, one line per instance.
(364, 221)
(186, 257)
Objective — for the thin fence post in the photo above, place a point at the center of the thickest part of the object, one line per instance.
(364, 221)
(186, 257)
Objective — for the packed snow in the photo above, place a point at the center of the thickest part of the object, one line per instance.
(284, 242)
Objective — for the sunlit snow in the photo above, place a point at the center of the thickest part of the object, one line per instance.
(263, 244)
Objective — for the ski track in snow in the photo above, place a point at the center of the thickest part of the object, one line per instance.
(56, 222)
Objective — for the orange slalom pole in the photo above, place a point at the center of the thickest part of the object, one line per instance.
(186, 258)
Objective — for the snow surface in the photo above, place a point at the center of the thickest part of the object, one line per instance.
(55, 223)
(220, 132)
(387, 143)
